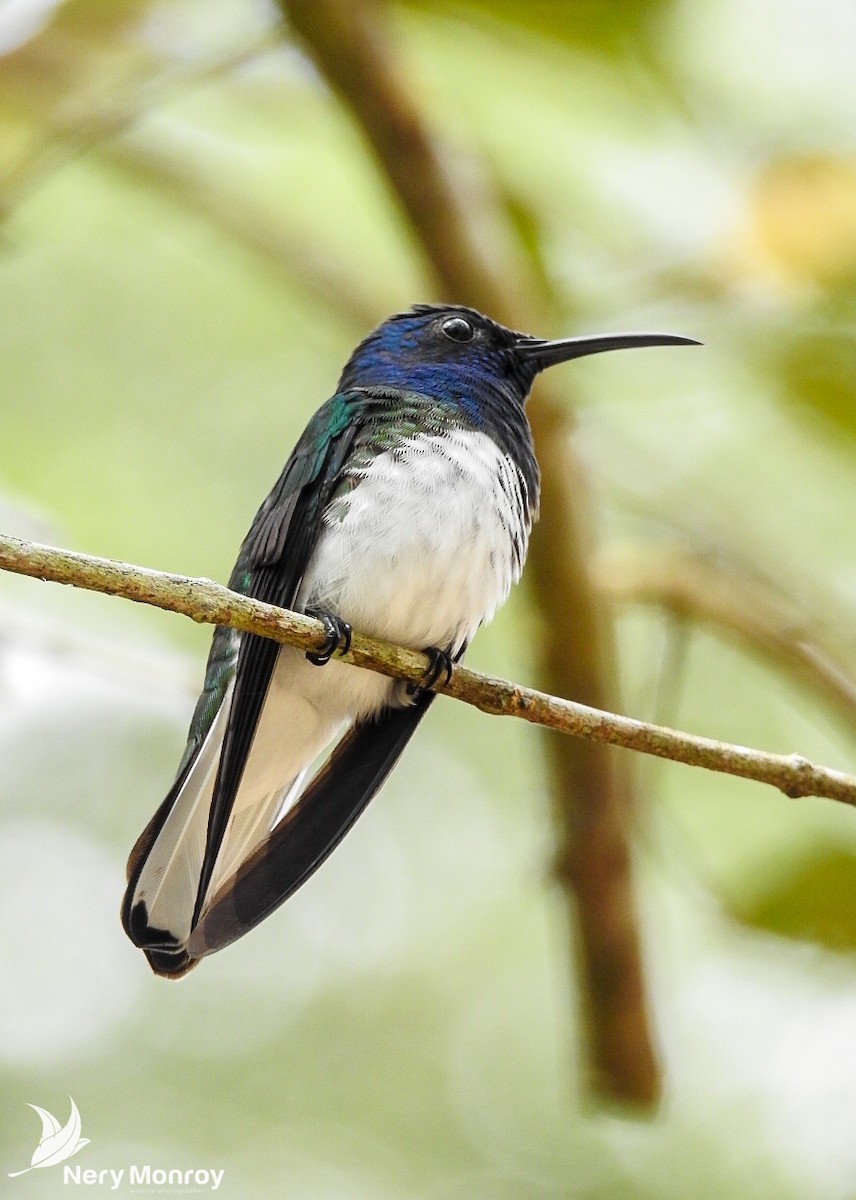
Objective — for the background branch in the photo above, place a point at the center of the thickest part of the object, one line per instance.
(700, 588)
(351, 46)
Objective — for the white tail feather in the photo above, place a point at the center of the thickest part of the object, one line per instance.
(249, 827)
(169, 879)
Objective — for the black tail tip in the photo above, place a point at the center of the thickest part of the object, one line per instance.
(166, 956)
(170, 964)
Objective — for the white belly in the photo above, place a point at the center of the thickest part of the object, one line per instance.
(421, 552)
(427, 545)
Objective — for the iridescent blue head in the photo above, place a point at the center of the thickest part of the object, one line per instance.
(459, 355)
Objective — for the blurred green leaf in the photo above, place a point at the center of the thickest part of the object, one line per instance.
(819, 372)
(588, 24)
(812, 899)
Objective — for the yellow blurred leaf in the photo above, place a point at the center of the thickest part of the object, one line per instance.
(803, 219)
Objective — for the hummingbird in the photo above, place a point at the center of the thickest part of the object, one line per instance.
(404, 512)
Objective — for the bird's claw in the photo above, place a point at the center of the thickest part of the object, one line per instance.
(440, 664)
(338, 636)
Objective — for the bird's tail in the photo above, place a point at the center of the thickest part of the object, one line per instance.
(166, 864)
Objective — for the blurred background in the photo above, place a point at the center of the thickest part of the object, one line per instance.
(205, 204)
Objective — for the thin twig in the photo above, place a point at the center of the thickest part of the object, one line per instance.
(210, 603)
(700, 588)
(66, 130)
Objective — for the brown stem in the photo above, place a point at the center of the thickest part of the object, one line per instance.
(593, 859)
(348, 42)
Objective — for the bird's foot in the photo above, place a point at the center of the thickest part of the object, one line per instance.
(338, 636)
(440, 664)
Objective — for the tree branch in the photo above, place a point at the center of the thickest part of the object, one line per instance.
(210, 603)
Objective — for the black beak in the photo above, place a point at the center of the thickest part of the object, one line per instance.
(542, 353)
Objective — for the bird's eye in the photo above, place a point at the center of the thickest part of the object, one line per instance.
(458, 329)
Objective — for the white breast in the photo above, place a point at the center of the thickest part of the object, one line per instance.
(427, 545)
(421, 551)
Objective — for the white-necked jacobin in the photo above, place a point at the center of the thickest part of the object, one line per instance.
(405, 512)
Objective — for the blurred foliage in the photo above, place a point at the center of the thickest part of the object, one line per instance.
(804, 218)
(194, 238)
(819, 369)
(812, 899)
(586, 24)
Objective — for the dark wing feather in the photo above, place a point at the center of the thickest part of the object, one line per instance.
(270, 567)
(311, 830)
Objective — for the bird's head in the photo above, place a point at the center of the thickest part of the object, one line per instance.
(457, 353)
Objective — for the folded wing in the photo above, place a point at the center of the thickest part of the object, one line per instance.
(190, 844)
